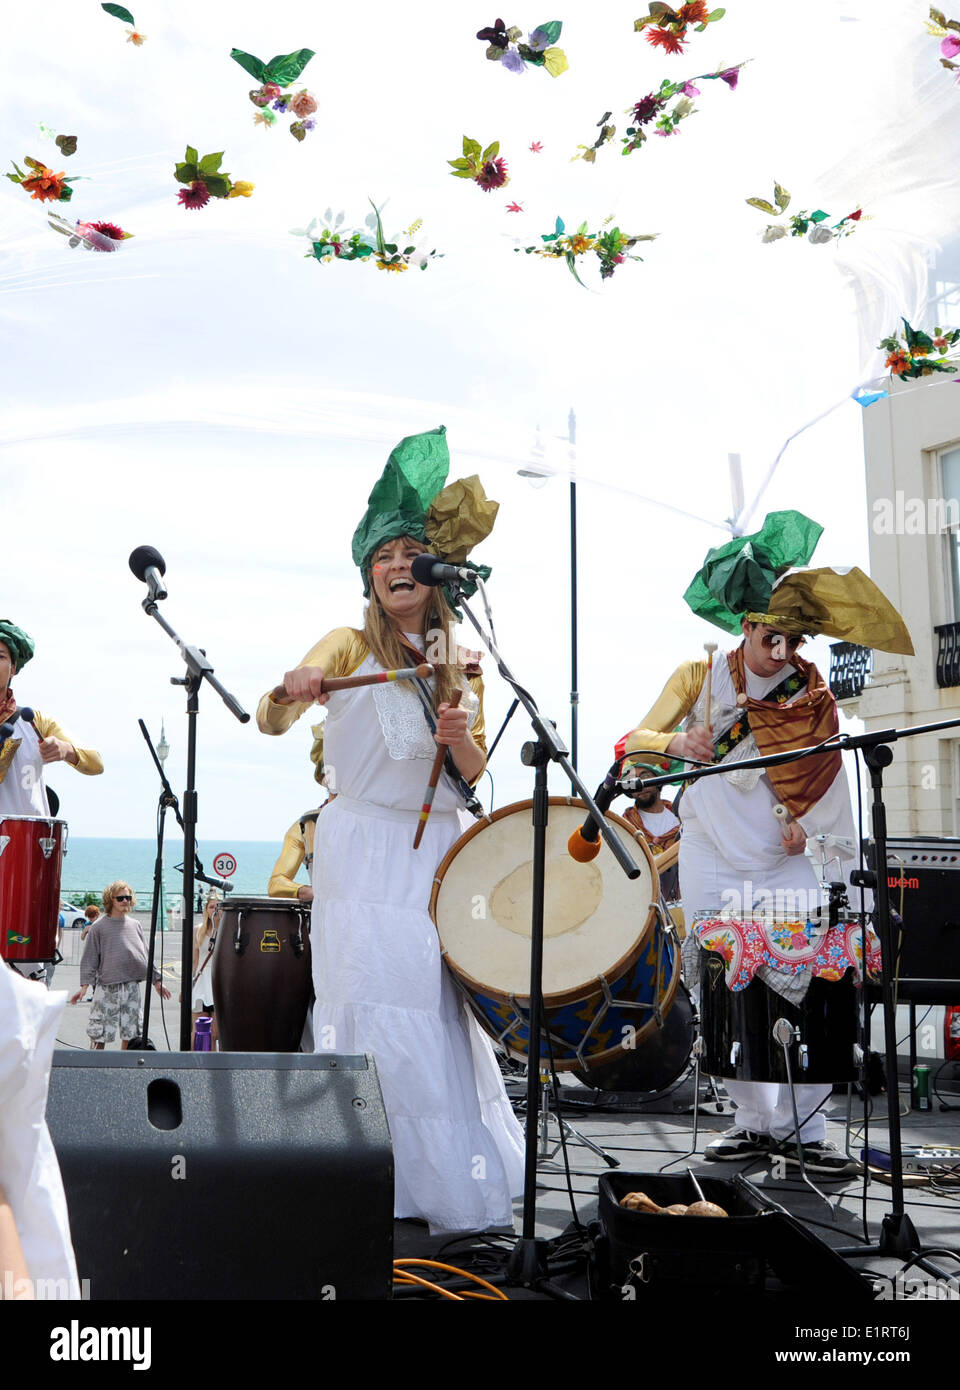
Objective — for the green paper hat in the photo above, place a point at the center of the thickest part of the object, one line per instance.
(739, 577)
(409, 499)
(19, 644)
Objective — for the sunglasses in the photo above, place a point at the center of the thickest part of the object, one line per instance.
(778, 639)
(124, 898)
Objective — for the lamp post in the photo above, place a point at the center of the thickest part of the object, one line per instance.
(537, 474)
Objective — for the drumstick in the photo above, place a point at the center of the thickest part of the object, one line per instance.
(782, 814)
(709, 648)
(434, 779)
(407, 673)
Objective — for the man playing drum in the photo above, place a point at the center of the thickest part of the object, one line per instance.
(736, 855)
(30, 747)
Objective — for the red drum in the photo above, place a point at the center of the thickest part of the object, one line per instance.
(31, 853)
(262, 979)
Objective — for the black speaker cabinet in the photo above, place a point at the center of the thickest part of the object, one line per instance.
(923, 879)
(195, 1175)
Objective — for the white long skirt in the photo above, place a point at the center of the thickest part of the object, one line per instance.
(382, 988)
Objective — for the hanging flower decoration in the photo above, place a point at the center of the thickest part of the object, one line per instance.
(539, 51)
(667, 28)
(94, 236)
(654, 111)
(330, 242)
(204, 179)
(607, 132)
(536, 147)
(913, 353)
(271, 97)
(133, 35)
(812, 225)
(42, 183)
(948, 31)
(483, 166)
(610, 248)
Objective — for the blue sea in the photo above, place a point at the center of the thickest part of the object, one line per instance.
(90, 864)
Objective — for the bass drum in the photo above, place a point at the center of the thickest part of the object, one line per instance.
(31, 852)
(262, 981)
(610, 973)
(658, 1061)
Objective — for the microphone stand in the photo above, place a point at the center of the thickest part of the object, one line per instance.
(898, 1236)
(527, 1263)
(168, 801)
(199, 669)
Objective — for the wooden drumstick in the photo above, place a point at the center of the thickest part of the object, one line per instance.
(782, 814)
(407, 673)
(434, 779)
(709, 648)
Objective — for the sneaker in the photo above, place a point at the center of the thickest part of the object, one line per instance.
(822, 1157)
(738, 1143)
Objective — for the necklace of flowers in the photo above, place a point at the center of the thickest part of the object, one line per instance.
(119, 12)
(941, 28)
(611, 248)
(93, 236)
(43, 183)
(205, 180)
(667, 28)
(482, 166)
(329, 243)
(539, 50)
(911, 352)
(270, 97)
(653, 107)
(802, 223)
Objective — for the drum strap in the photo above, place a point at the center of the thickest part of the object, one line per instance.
(450, 768)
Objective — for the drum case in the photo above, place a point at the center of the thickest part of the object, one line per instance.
(709, 1252)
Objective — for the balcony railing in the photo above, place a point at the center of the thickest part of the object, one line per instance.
(850, 668)
(948, 654)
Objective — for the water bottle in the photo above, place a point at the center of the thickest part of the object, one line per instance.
(202, 1040)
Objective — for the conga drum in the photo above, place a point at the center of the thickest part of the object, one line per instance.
(610, 972)
(262, 978)
(31, 854)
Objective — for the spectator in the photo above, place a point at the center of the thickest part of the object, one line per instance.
(92, 913)
(115, 961)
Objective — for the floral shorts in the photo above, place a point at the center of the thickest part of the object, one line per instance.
(114, 1006)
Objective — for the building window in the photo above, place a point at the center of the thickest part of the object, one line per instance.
(950, 492)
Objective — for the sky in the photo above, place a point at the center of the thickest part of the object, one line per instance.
(210, 391)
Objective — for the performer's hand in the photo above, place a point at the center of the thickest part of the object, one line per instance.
(793, 837)
(55, 750)
(696, 743)
(304, 684)
(305, 894)
(452, 723)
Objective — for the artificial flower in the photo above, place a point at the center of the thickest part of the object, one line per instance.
(666, 39)
(535, 147)
(195, 195)
(390, 265)
(696, 12)
(303, 104)
(655, 106)
(259, 97)
(241, 189)
(648, 107)
(611, 247)
(820, 234)
(329, 243)
(266, 118)
(45, 185)
(808, 224)
(495, 35)
(910, 354)
(93, 236)
(774, 232)
(540, 51)
(482, 166)
(136, 38)
(514, 207)
(950, 46)
(493, 174)
(731, 77)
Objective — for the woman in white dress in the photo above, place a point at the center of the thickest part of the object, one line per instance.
(380, 983)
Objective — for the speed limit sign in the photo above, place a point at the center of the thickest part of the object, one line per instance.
(224, 864)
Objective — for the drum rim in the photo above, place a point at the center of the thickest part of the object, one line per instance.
(267, 904)
(37, 820)
(568, 996)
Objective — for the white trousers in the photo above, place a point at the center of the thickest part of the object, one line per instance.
(764, 1107)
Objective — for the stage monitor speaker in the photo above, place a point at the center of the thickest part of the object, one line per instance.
(193, 1175)
(924, 872)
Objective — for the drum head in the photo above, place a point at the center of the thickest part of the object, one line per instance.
(595, 918)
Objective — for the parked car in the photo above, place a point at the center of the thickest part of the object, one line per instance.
(73, 916)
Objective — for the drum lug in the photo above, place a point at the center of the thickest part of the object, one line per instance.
(47, 846)
(4, 841)
(857, 1055)
(735, 1054)
(804, 1052)
(240, 940)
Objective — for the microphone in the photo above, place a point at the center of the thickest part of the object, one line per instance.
(23, 712)
(584, 843)
(149, 565)
(428, 570)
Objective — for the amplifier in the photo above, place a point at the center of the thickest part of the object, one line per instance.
(923, 879)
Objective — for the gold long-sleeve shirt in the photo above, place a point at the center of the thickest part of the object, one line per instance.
(678, 697)
(283, 880)
(89, 761)
(340, 653)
